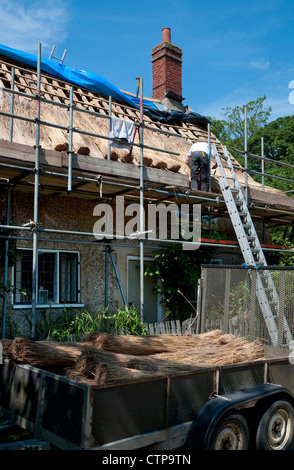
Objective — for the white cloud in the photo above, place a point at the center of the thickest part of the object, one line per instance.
(23, 23)
(260, 65)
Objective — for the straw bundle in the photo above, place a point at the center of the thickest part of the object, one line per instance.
(147, 161)
(104, 374)
(84, 151)
(160, 165)
(128, 344)
(214, 349)
(102, 367)
(44, 354)
(128, 158)
(104, 358)
(6, 348)
(90, 358)
(61, 147)
(74, 375)
(175, 168)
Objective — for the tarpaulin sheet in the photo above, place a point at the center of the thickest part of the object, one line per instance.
(100, 85)
(88, 80)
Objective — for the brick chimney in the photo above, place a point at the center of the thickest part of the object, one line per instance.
(167, 72)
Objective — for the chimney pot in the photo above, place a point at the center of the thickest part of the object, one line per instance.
(166, 37)
(167, 72)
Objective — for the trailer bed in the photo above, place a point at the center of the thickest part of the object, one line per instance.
(150, 413)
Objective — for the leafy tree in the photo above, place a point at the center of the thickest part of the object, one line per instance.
(278, 138)
(178, 271)
(230, 131)
(278, 142)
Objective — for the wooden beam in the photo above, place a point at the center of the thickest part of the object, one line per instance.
(17, 153)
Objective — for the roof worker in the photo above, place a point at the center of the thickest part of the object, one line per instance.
(198, 160)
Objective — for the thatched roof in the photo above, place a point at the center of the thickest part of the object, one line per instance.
(58, 91)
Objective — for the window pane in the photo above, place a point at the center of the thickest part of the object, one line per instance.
(68, 277)
(47, 278)
(55, 284)
(23, 277)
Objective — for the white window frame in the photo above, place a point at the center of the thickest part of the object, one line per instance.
(55, 304)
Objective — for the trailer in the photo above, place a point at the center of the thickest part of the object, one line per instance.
(233, 407)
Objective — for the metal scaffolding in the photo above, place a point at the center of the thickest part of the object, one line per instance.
(37, 171)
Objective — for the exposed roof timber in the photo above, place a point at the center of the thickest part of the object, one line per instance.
(114, 172)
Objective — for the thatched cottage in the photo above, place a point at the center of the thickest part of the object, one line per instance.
(59, 161)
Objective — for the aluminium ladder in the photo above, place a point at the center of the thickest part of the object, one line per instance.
(253, 255)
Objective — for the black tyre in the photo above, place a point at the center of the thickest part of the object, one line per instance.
(230, 433)
(275, 426)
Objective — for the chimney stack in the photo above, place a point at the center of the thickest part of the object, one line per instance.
(167, 72)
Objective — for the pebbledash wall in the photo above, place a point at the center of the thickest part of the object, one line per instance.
(76, 214)
(71, 214)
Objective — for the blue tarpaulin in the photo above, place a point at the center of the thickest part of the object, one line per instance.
(100, 85)
(88, 80)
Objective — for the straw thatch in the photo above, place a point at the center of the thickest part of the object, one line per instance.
(215, 349)
(128, 344)
(104, 367)
(54, 138)
(6, 348)
(44, 353)
(104, 358)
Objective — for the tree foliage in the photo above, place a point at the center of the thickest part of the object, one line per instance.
(230, 130)
(277, 137)
(176, 272)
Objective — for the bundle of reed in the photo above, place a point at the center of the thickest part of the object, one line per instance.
(128, 344)
(105, 374)
(147, 161)
(45, 353)
(104, 367)
(161, 364)
(61, 147)
(83, 151)
(109, 374)
(160, 165)
(88, 361)
(175, 168)
(128, 158)
(6, 348)
(215, 349)
(113, 156)
(72, 374)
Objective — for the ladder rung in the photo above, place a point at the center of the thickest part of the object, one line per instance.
(246, 225)
(243, 214)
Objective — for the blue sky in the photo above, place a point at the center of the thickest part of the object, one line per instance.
(233, 51)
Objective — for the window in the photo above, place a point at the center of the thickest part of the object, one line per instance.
(58, 277)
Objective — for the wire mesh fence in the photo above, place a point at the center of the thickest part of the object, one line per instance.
(231, 300)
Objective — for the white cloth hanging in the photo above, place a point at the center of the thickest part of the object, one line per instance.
(123, 130)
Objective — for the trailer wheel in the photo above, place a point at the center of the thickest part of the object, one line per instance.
(230, 433)
(275, 426)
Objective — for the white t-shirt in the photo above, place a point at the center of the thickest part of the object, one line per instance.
(201, 147)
